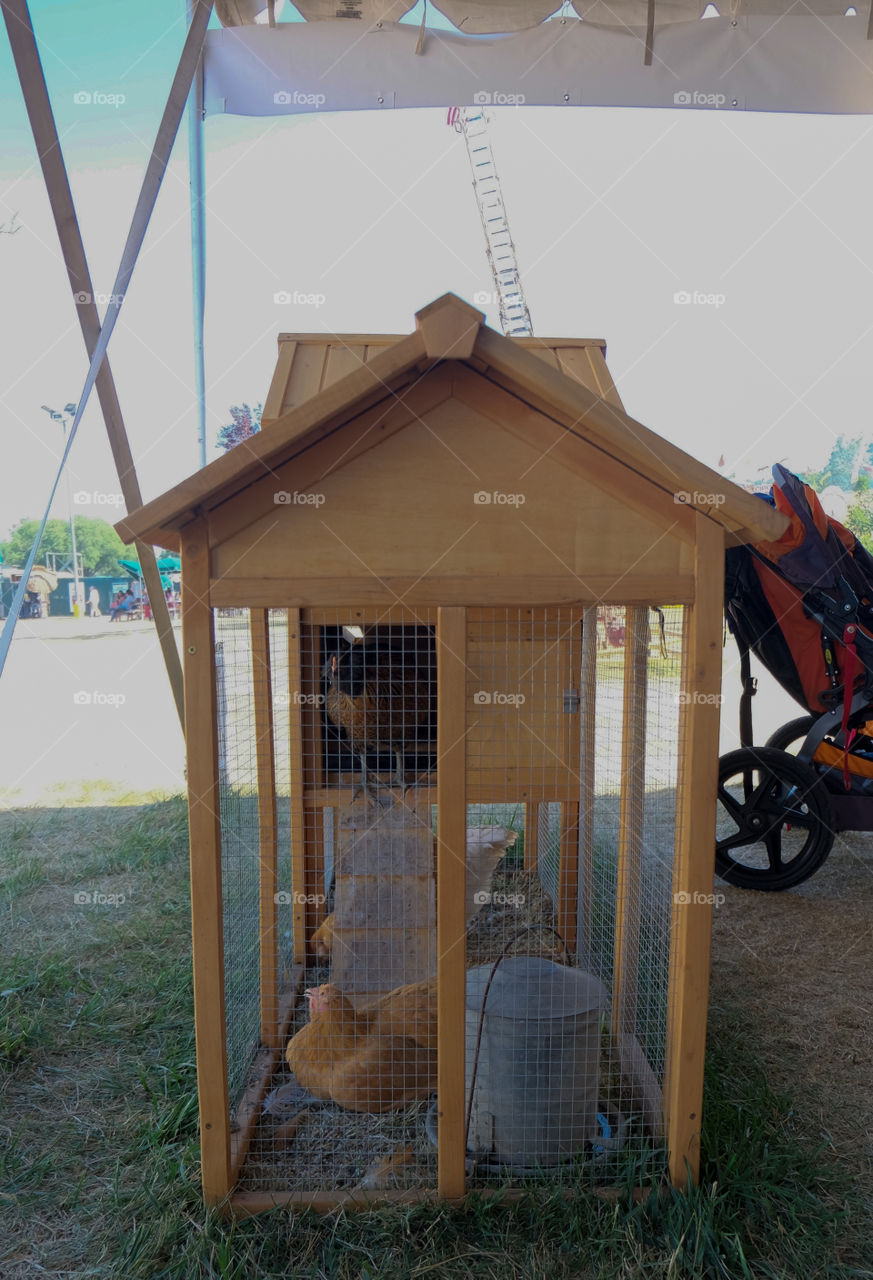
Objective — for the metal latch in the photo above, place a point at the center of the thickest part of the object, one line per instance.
(571, 701)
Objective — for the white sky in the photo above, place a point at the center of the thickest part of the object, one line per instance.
(612, 213)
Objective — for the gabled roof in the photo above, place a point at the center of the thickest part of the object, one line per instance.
(450, 329)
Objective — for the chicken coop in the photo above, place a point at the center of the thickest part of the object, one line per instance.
(452, 648)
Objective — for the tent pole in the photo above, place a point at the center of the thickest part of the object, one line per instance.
(198, 241)
(38, 104)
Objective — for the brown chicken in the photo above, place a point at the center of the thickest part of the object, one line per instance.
(383, 699)
(376, 1058)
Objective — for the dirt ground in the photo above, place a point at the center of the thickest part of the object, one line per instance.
(802, 963)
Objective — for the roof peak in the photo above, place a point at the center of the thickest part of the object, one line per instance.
(449, 327)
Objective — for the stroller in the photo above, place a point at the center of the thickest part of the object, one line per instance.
(804, 606)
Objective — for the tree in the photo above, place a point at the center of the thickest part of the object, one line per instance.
(96, 542)
(246, 423)
(841, 462)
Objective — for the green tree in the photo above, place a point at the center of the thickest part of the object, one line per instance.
(841, 462)
(246, 423)
(96, 541)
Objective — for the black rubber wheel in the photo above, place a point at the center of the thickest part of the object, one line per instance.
(774, 826)
(791, 734)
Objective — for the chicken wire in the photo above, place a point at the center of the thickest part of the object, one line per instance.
(582, 1089)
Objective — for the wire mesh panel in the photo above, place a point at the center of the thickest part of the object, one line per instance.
(568, 955)
(571, 779)
(346, 1106)
(240, 842)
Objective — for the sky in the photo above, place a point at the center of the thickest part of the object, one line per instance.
(762, 219)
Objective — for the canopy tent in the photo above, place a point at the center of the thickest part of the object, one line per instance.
(764, 55)
(757, 55)
(167, 564)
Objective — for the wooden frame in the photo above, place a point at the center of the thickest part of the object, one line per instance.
(205, 845)
(694, 864)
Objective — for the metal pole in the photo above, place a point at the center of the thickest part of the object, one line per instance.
(198, 242)
(76, 599)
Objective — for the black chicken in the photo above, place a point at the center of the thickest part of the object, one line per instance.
(383, 698)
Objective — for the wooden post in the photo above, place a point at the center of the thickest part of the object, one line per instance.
(531, 835)
(205, 844)
(451, 643)
(313, 769)
(691, 931)
(268, 879)
(587, 758)
(297, 811)
(568, 874)
(630, 837)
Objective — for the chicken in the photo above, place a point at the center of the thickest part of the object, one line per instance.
(384, 699)
(374, 1059)
(485, 847)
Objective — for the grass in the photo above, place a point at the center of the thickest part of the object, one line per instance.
(98, 1142)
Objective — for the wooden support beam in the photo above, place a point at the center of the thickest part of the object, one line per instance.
(268, 849)
(205, 844)
(694, 859)
(451, 644)
(587, 760)
(630, 839)
(568, 874)
(296, 805)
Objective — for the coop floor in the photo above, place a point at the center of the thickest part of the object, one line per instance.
(324, 1148)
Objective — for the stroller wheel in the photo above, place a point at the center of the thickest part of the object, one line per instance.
(774, 826)
(791, 734)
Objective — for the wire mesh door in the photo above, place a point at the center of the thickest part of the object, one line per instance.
(329, 769)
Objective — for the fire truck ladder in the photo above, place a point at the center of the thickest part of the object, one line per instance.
(514, 315)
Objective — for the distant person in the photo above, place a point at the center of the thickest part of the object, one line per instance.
(94, 603)
(124, 602)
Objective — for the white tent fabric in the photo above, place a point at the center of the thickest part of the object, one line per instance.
(756, 62)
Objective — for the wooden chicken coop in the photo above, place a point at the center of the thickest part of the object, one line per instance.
(452, 646)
